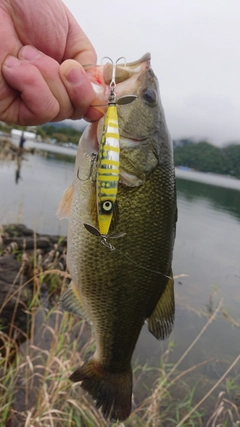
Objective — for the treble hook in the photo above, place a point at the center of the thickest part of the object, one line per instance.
(112, 96)
(126, 99)
(94, 157)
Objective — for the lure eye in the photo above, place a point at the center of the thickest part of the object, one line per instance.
(107, 206)
(150, 97)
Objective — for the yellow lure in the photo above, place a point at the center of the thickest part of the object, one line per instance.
(108, 170)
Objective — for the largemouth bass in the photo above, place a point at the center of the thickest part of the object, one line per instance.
(118, 286)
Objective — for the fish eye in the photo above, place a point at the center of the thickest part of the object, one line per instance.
(150, 97)
(107, 206)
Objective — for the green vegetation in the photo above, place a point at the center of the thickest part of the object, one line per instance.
(6, 127)
(61, 134)
(205, 157)
(232, 154)
(201, 156)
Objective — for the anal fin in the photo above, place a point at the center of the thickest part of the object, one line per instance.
(71, 301)
(161, 321)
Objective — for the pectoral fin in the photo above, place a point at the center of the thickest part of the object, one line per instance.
(71, 301)
(160, 323)
(64, 207)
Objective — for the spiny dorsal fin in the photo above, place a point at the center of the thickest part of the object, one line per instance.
(64, 207)
(160, 323)
(71, 301)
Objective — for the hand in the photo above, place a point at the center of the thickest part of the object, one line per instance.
(37, 36)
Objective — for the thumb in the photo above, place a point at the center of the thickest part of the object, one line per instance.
(78, 87)
(79, 90)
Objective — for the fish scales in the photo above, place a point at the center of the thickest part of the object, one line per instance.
(114, 270)
(118, 290)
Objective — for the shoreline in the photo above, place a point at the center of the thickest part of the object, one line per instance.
(26, 262)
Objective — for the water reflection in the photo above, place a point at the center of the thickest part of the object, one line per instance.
(224, 199)
(58, 157)
(35, 199)
(18, 170)
(207, 250)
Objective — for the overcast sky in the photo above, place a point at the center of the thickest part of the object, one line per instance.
(195, 47)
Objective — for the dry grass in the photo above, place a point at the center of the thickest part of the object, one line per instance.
(35, 390)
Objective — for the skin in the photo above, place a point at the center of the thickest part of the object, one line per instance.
(41, 76)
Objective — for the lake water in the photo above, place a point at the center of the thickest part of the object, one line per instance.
(207, 249)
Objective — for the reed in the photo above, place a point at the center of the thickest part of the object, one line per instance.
(35, 390)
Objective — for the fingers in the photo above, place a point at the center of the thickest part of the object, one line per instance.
(71, 88)
(39, 90)
(34, 88)
(28, 99)
(49, 70)
(79, 90)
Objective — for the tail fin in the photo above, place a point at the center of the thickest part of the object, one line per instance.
(111, 391)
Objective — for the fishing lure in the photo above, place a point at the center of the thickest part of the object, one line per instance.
(108, 163)
(108, 167)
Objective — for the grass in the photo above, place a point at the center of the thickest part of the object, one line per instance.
(35, 390)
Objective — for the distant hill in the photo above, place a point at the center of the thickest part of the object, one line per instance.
(60, 132)
(76, 124)
(205, 157)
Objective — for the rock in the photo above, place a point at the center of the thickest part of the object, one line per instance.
(15, 230)
(24, 255)
(8, 150)
(18, 236)
(15, 297)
